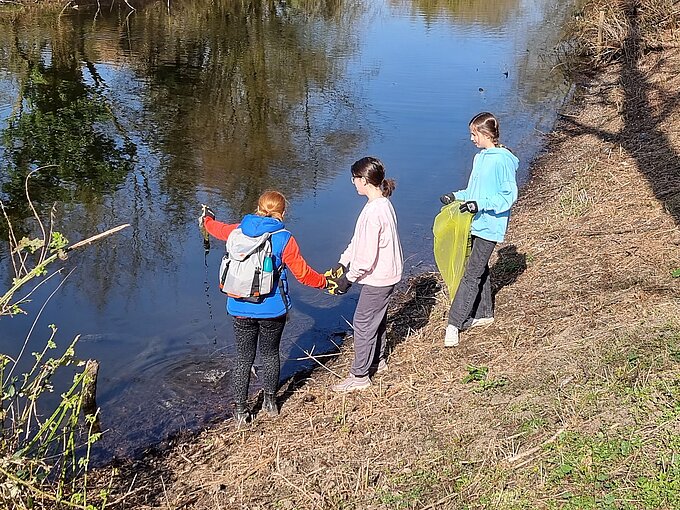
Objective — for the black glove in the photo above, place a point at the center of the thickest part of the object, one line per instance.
(447, 199)
(469, 206)
(336, 286)
(339, 270)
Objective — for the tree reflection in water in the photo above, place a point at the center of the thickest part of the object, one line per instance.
(143, 115)
(493, 13)
(61, 121)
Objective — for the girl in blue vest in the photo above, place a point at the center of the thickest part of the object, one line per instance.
(262, 322)
(489, 195)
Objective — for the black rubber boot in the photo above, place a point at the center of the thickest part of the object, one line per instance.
(269, 404)
(241, 415)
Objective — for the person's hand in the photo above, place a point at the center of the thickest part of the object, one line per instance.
(206, 212)
(447, 199)
(331, 284)
(338, 270)
(469, 206)
(336, 286)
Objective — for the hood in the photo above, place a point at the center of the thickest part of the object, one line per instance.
(253, 225)
(502, 152)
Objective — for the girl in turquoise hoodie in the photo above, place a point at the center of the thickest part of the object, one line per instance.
(489, 195)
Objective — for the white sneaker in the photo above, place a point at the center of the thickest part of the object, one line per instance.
(379, 367)
(352, 383)
(451, 337)
(484, 321)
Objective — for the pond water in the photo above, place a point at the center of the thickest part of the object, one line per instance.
(146, 114)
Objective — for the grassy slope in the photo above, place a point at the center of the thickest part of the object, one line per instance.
(580, 407)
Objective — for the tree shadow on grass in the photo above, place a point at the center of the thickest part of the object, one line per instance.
(642, 135)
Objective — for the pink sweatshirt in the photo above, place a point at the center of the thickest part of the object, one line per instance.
(374, 254)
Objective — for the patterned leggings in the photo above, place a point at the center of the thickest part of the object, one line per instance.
(249, 332)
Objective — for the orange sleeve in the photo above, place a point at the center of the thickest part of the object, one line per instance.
(218, 229)
(299, 267)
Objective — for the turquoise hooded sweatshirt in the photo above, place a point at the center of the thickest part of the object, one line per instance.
(493, 186)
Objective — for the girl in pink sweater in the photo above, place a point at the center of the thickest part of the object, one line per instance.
(374, 260)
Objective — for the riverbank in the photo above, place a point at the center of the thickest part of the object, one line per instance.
(571, 399)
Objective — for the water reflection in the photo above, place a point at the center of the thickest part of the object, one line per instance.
(228, 96)
(241, 92)
(489, 12)
(63, 123)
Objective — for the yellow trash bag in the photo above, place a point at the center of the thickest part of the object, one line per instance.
(452, 246)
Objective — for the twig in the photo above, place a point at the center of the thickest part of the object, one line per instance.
(348, 323)
(19, 282)
(165, 493)
(437, 503)
(314, 358)
(97, 237)
(318, 356)
(65, 6)
(533, 450)
(304, 492)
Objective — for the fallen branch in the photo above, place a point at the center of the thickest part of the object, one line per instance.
(19, 282)
(535, 449)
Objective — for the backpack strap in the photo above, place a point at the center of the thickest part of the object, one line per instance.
(280, 271)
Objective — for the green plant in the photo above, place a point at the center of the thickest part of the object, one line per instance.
(43, 459)
(576, 200)
(475, 374)
(480, 375)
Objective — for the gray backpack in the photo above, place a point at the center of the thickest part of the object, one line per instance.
(247, 270)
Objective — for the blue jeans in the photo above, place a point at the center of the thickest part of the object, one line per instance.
(473, 297)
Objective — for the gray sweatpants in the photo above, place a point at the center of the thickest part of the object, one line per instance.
(370, 328)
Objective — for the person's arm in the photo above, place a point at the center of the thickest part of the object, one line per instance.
(218, 229)
(366, 240)
(506, 191)
(345, 258)
(299, 267)
(461, 194)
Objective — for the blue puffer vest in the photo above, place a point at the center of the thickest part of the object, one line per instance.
(273, 304)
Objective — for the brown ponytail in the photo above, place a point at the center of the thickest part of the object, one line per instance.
(373, 171)
(486, 124)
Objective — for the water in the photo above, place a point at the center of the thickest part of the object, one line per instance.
(150, 113)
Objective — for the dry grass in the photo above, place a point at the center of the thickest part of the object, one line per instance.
(601, 32)
(579, 404)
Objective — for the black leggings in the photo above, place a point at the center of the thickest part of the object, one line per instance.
(248, 333)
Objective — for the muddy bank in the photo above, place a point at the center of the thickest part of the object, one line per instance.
(571, 399)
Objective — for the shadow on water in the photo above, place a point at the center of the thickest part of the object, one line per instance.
(642, 134)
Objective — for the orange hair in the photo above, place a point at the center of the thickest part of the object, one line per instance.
(271, 203)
